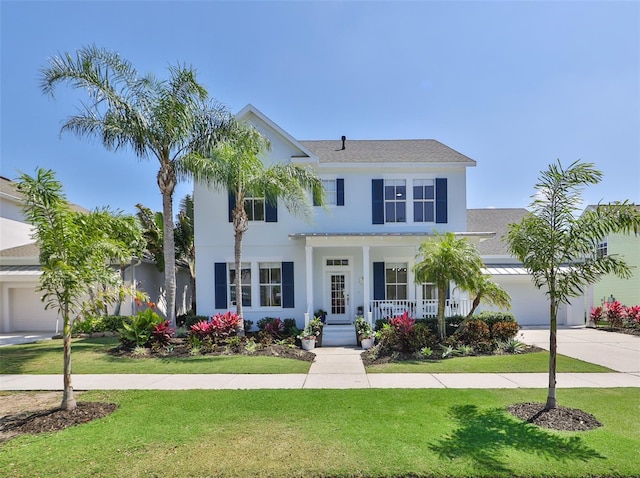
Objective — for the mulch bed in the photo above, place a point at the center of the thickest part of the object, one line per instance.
(52, 420)
(559, 418)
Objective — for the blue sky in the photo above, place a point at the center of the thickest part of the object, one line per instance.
(514, 85)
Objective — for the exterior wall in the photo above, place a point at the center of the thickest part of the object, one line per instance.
(529, 305)
(22, 310)
(626, 291)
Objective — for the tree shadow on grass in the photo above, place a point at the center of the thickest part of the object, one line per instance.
(485, 436)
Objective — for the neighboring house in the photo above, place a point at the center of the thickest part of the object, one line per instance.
(626, 291)
(21, 307)
(384, 199)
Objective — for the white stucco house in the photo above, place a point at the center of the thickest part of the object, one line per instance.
(21, 307)
(385, 198)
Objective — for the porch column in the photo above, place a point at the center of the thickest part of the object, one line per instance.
(366, 293)
(309, 268)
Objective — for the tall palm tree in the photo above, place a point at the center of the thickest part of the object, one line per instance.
(235, 166)
(166, 119)
(443, 260)
(558, 247)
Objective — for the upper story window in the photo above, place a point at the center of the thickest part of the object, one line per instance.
(396, 280)
(602, 249)
(330, 191)
(424, 200)
(254, 207)
(270, 284)
(395, 200)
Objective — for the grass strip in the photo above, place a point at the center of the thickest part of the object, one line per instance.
(314, 433)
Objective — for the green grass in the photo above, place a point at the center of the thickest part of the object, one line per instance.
(529, 362)
(90, 356)
(312, 433)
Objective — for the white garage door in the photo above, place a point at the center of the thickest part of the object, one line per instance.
(529, 305)
(26, 312)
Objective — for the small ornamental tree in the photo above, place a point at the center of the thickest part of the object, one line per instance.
(558, 247)
(75, 253)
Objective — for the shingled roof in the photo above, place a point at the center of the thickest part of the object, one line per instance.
(384, 151)
(493, 220)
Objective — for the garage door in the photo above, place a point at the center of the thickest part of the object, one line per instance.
(26, 312)
(529, 305)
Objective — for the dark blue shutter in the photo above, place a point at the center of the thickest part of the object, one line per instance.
(377, 201)
(232, 205)
(288, 292)
(340, 192)
(441, 200)
(220, 285)
(271, 211)
(379, 292)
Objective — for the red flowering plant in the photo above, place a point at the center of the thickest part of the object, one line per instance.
(218, 327)
(162, 334)
(633, 316)
(615, 313)
(596, 315)
(403, 326)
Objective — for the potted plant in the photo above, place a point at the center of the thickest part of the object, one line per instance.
(308, 339)
(316, 324)
(364, 333)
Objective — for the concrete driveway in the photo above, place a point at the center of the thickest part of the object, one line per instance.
(15, 338)
(620, 352)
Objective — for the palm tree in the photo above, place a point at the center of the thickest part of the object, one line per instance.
(235, 166)
(153, 231)
(490, 293)
(558, 247)
(75, 250)
(443, 260)
(169, 120)
(185, 242)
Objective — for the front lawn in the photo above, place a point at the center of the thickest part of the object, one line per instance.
(522, 363)
(91, 356)
(320, 433)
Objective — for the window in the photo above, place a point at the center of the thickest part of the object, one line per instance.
(602, 249)
(395, 200)
(429, 291)
(337, 262)
(254, 207)
(424, 200)
(330, 191)
(396, 281)
(270, 284)
(245, 279)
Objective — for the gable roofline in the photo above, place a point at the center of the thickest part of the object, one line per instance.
(244, 112)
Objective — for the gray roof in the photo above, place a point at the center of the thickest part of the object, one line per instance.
(26, 250)
(493, 220)
(383, 151)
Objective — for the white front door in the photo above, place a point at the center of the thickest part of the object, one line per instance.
(338, 299)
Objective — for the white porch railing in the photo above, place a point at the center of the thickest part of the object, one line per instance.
(383, 309)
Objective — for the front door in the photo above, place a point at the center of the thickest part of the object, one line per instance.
(338, 299)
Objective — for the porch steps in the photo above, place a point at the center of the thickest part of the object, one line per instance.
(338, 335)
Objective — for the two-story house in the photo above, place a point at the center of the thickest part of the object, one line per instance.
(385, 197)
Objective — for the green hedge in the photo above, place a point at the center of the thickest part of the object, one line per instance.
(104, 323)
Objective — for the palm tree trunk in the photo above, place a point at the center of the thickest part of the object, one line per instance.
(238, 257)
(442, 297)
(551, 395)
(68, 399)
(167, 184)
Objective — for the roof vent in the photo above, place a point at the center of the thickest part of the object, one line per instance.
(344, 139)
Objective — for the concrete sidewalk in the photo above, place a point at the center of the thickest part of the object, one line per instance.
(342, 368)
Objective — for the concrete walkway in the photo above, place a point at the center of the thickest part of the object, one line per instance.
(341, 368)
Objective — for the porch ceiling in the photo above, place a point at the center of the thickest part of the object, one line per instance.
(357, 239)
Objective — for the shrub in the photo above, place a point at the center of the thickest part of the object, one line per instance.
(218, 327)
(596, 314)
(290, 328)
(475, 333)
(137, 330)
(248, 325)
(501, 331)
(490, 317)
(614, 312)
(188, 320)
(451, 324)
(275, 328)
(633, 316)
(162, 334)
(511, 346)
(103, 323)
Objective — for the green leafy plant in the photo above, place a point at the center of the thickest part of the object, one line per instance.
(511, 346)
(138, 329)
(465, 350)
(501, 331)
